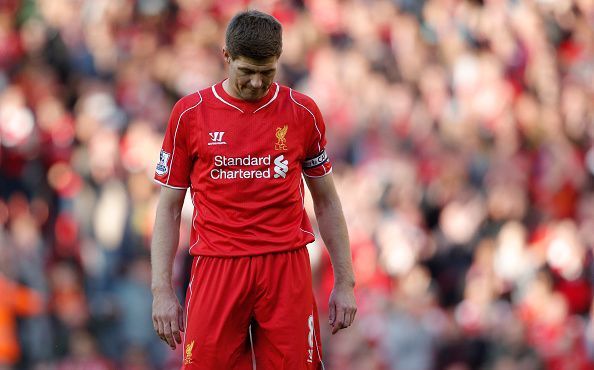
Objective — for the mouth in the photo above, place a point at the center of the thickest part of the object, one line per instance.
(257, 93)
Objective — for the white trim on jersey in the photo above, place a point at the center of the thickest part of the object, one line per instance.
(314, 118)
(315, 177)
(214, 91)
(196, 242)
(195, 212)
(169, 186)
(301, 192)
(305, 231)
(193, 227)
(175, 135)
(195, 270)
(303, 205)
(272, 99)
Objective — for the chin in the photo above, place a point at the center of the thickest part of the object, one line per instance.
(253, 96)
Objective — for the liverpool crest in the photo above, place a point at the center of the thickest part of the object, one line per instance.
(188, 356)
(281, 143)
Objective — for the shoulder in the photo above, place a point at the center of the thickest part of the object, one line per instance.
(189, 102)
(300, 100)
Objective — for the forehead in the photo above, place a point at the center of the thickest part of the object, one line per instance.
(254, 64)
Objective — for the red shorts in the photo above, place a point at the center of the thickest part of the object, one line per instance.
(253, 312)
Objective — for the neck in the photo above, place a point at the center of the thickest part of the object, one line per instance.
(229, 89)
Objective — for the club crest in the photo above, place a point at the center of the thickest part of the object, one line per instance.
(281, 133)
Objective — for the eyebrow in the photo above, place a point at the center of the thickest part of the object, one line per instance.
(247, 69)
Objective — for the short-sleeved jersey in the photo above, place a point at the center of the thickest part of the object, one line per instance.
(243, 162)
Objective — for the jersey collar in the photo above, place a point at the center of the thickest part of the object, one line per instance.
(245, 106)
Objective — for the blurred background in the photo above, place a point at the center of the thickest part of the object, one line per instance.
(461, 137)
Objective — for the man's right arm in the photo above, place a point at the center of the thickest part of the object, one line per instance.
(167, 311)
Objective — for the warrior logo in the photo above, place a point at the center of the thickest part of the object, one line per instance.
(216, 138)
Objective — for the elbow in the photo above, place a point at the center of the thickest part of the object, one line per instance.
(176, 213)
(323, 206)
(171, 210)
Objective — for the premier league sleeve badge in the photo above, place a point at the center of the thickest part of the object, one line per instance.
(163, 165)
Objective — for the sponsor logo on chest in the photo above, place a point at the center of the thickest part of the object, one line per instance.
(251, 167)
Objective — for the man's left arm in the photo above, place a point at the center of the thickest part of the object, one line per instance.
(342, 305)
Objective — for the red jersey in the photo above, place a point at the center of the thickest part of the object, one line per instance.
(243, 163)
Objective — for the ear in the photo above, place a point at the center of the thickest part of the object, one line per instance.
(226, 55)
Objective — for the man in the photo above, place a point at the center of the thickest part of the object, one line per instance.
(242, 146)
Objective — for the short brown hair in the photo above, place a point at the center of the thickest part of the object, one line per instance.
(254, 35)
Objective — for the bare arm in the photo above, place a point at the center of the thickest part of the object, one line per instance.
(342, 306)
(167, 311)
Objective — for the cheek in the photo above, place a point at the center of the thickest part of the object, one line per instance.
(266, 82)
(243, 80)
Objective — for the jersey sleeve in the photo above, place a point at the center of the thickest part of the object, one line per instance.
(316, 163)
(173, 168)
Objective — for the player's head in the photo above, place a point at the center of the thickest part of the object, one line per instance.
(253, 44)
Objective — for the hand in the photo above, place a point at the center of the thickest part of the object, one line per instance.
(342, 307)
(168, 316)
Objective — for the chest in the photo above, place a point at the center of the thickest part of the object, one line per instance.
(262, 134)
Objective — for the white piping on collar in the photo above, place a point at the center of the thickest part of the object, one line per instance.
(214, 91)
(272, 99)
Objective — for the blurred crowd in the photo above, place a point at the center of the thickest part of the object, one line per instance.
(461, 135)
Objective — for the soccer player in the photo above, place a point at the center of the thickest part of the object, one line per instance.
(241, 146)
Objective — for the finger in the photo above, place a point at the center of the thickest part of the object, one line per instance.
(181, 319)
(351, 318)
(337, 326)
(175, 330)
(348, 315)
(155, 325)
(339, 322)
(169, 335)
(160, 331)
(331, 313)
(340, 314)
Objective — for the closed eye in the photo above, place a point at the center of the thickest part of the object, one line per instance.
(251, 71)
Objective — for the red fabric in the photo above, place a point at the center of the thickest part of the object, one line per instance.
(243, 162)
(14, 300)
(272, 293)
(577, 293)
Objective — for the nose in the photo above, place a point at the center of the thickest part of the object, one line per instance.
(256, 81)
